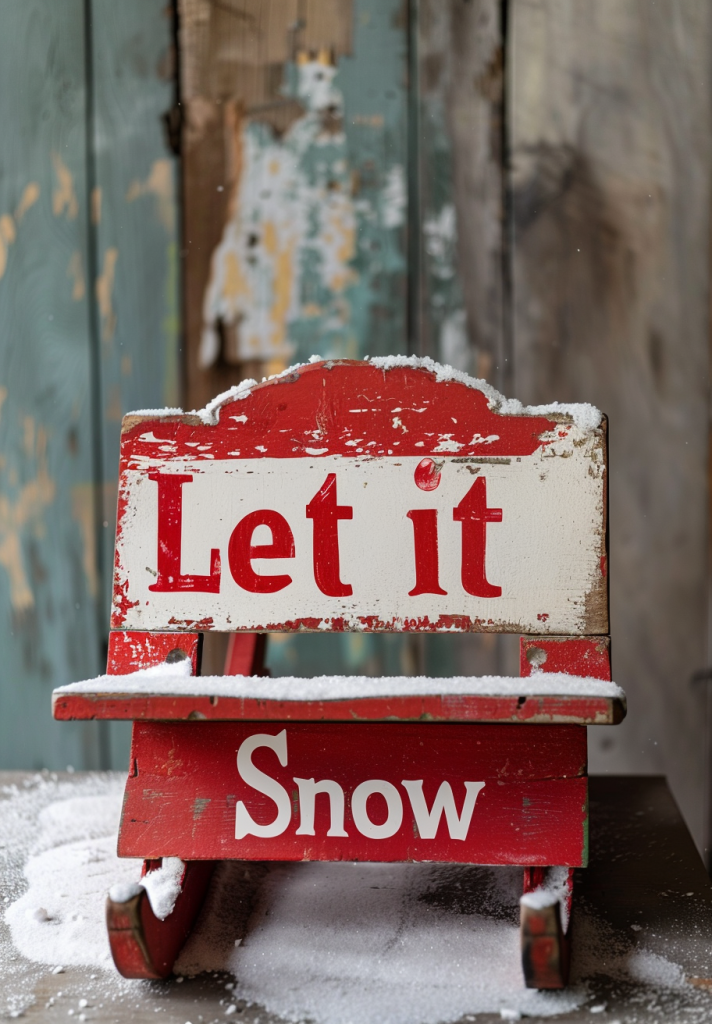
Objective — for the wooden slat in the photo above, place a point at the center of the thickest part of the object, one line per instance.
(574, 655)
(135, 220)
(244, 93)
(135, 224)
(183, 787)
(130, 651)
(611, 214)
(48, 572)
(447, 708)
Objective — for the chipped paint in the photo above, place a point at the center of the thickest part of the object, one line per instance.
(75, 271)
(83, 500)
(104, 294)
(64, 197)
(297, 246)
(158, 184)
(9, 224)
(24, 509)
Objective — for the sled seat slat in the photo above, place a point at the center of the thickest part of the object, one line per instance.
(525, 709)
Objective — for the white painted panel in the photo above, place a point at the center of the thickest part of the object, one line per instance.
(545, 554)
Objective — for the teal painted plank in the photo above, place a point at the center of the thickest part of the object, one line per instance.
(48, 577)
(136, 230)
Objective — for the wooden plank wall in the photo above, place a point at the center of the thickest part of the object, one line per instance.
(88, 330)
(48, 581)
(518, 187)
(573, 141)
(609, 126)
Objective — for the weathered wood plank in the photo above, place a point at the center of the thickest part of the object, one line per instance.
(428, 517)
(48, 572)
(460, 303)
(530, 710)
(526, 805)
(135, 222)
(608, 111)
(459, 103)
(135, 234)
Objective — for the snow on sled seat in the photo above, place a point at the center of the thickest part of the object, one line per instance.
(386, 495)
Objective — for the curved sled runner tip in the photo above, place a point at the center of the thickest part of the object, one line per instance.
(141, 944)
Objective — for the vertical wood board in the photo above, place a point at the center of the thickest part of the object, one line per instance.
(48, 573)
(609, 109)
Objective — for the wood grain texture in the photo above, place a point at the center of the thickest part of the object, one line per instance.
(182, 793)
(611, 211)
(294, 197)
(48, 573)
(459, 153)
(640, 848)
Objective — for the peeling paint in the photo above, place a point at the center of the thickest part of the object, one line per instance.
(290, 246)
(104, 294)
(83, 513)
(75, 271)
(8, 224)
(7, 237)
(24, 509)
(159, 184)
(64, 197)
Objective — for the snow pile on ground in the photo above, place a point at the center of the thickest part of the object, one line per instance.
(332, 943)
(375, 943)
(72, 863)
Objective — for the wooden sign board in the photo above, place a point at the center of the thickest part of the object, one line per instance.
(387, 495)
(484, 794)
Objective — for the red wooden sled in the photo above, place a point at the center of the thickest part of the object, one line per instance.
(390, 495)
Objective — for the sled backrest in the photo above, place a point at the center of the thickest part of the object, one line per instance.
(386, 495)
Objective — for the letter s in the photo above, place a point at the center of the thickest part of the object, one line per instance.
(244, 823)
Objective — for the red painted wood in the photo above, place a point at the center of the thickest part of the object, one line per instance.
(576, 655)
(181, 796)
(328, 406)
(130, 650)
(143, 946)
(162, 707)
(245, 655)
